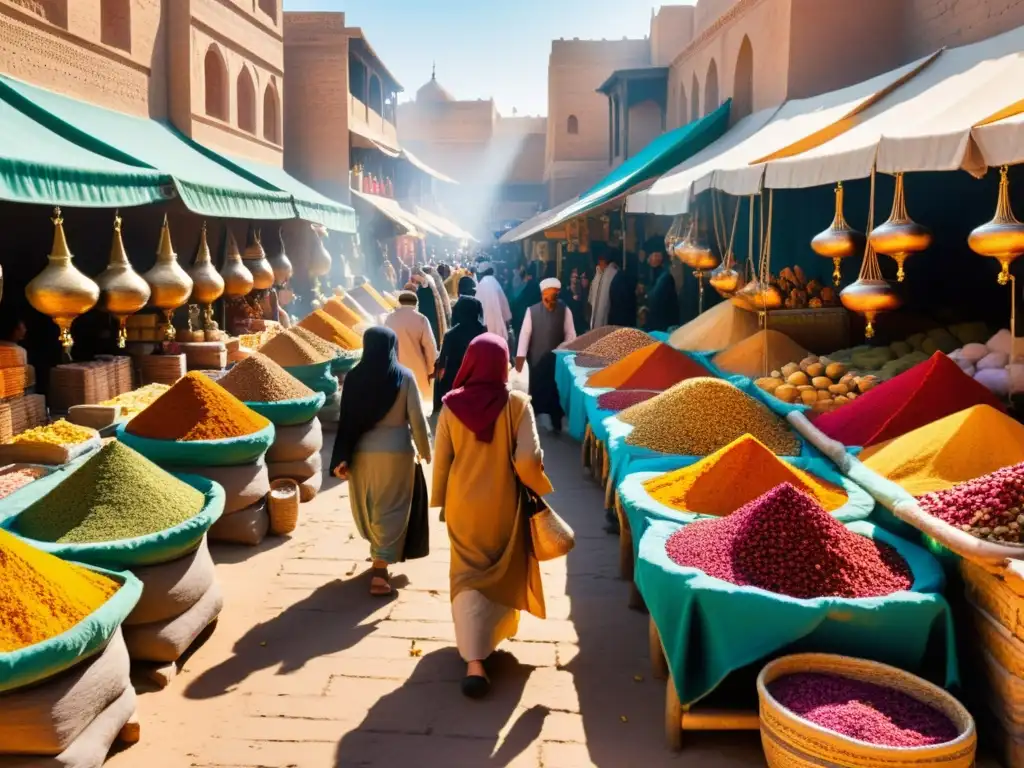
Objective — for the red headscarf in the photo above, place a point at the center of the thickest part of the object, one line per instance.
(481, 386)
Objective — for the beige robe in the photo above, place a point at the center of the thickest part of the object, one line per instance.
(417, 349)
(493, 572)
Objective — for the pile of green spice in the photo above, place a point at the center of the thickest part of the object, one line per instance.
(115, 494)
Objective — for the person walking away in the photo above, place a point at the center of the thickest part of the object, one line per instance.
(601, 286)
(442, 294)
(468, 316)
(528, 295)
(662, 298)
(466, 287)
(547, 325)
(622, 295)
(381, 422)
(417, 349)
(496, 309)
(486, 437)
(429, 303)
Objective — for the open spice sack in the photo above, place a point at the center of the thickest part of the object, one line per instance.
(65, 692)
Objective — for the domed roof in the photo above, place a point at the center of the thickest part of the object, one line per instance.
(433, 90)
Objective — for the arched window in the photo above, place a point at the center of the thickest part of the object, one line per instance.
(694, 98)
(269, 7)
(743, 84)
(216, 71)
(270, 114)
(573, 125)
(684, 116)
(711, 89)
(246, 101)
(116, 23)
(376, 95)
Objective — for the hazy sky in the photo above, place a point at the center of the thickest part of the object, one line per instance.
(484, 48)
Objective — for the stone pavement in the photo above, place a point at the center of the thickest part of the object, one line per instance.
(306, 670)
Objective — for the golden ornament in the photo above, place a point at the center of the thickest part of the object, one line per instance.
(255, 259)
(170, 284)
(900, 237)
(1003, 237)
(839, 241)
(123, 291)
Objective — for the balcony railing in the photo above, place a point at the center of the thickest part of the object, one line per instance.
(376, 125)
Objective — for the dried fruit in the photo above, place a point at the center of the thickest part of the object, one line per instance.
(987, 507)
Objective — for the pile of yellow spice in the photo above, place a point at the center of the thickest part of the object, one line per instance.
(137, 400)
(60, 432)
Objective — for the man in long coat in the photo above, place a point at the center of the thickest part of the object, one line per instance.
(417, 349)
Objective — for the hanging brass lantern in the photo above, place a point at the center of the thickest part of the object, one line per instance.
(123, 292)
(761, 296)
(839, 241)
(695, 253)
(870, 297)
(60, 290)
(280, 263)
(1003, 237)
(674, 236)
(207, 284)
(169, 283)
(900, 237)
(725, 280)
(237, 277)
(256, 260)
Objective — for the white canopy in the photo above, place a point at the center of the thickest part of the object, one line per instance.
(925, 125)
(1001, 142)
(736, 162)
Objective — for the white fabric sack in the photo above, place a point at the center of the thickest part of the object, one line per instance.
(1000, 342)
(244, 485)
(170, 589)
(298, 471)
(166, 641)
(995, 379)
(247, 526)
(297, 442)
(45, 719)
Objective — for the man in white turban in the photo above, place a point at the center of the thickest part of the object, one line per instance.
(546, 325)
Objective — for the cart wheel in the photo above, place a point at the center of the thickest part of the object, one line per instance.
(673, 717)
(659, 664)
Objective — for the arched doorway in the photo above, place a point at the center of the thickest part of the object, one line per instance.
(711, 89)
(216, 83)
(743, 84)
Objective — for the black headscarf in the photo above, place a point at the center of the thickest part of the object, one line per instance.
(467, 287)
(468, 319)
(370, 390)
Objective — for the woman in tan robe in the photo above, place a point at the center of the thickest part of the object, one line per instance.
(483, 430)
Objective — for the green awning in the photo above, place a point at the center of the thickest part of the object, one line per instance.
(657, 158)
(205, 186)
(309, 204)
(39, 166)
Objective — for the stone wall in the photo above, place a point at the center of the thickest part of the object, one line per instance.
(931, 24)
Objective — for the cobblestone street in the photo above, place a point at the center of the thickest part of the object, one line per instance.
(306, 670)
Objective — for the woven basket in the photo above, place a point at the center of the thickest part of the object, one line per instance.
(994, 596)
(790, 741)
(1004, 694)
(283, 505)
(997, 640)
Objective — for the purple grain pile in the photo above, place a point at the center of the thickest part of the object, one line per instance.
(862, 710)
(621, 399)
(785, 542)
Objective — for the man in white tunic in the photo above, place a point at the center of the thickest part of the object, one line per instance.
(546, 326)
(496, 309)
(417, 349)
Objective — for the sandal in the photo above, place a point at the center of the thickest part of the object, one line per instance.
(380, 582)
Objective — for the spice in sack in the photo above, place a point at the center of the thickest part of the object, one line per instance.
(60, 432)
(590, 361)
(196, 408)
(748, 357)
(699, 416)
(618, 344)
(41, 596)
(621, 399)
(322, 346)
(590, 337)
(115, 494)
(990, 507)
(17, 479)
(721, 327)
(258, 379)
(961, 447)
(737, 474)
(862, 710)
(926, 393)
(785, 543)
(137, 400)
(291, 352)
(656, 366)
(336, 308)
(336, 332)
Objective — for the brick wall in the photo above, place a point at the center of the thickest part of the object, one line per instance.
(932, 24)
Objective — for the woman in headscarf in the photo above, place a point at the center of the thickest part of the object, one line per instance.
(467, 287)
(380, 422)
(442, 294)
(430, 303)
(468, 319)
(486, 437)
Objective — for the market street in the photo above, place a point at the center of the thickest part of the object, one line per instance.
(306, 670)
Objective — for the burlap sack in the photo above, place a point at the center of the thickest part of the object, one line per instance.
(299, 471)
(170, 589)
(244, 485)
(166, 641)
(45, 719)
(308, 489)
(246, 526)
(296, 443)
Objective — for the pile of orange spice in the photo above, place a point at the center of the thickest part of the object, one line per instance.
(332, 330)
(735, 475)
(337, 309)
(196, 408)
(41, 596)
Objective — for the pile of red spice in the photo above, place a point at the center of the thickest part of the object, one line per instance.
(785, 542)
(621, 399)
(927, 392)
(990, 507)
(656, 366)
(862, 710)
